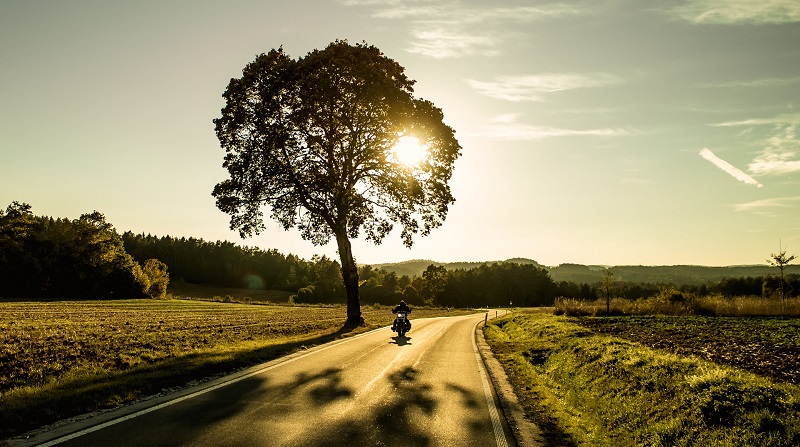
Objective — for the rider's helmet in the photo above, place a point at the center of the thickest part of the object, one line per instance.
(402, 302)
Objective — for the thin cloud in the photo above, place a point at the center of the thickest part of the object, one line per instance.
(533, 87)
(775, 163)
(504, 128)
(728, 168)
(364, 2)
(786, 118)
(451, 29)
(732, 12)
(428, 12)
(456, 13)
(781, 156)
(382, 2)
(587, 111)
(756, 83)
(506, 118)
(442, 43)
(777, 202)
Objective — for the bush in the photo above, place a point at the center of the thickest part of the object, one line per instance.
(157, 278)
(306, 295)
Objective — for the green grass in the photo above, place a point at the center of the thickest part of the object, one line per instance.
(602, 390)
(63, 358)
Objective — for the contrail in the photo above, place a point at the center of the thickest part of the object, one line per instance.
(735, 172)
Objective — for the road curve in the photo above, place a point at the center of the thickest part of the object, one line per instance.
(375, 389)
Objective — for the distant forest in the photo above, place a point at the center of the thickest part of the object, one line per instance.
(516, 282)
(86, 258)
(319, 280)
(671, 274)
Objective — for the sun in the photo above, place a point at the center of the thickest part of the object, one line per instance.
(409, 151)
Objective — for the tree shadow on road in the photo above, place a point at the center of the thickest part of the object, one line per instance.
(468, 398)
(474, 402)
(293, 413)
(407, 416)
(392, 423)
(260, 397)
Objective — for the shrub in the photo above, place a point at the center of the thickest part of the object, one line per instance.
(306, 295)
(157, 278)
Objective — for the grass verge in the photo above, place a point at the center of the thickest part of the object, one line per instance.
(602, 390)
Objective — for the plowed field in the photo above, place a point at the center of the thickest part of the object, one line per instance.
(768, 346)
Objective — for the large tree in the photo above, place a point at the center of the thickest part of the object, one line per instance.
(313, 140)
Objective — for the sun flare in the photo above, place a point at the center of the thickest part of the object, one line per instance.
(409, 151)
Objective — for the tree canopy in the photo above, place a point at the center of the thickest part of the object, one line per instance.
(312, 140)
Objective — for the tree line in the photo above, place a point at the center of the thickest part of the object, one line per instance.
(43, 257)
(226, 264)
(85, 257)
(766, 286)
(319, 280)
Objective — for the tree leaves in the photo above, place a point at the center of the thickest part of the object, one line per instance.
(310, 139)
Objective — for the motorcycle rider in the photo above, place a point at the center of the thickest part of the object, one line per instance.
(403, 307)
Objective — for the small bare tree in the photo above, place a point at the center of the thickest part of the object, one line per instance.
(607, 284)
(779, 260)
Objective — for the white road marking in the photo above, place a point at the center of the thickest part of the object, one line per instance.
(499, 435)
(95, 428)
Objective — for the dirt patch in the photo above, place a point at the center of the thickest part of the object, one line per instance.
(767, 346)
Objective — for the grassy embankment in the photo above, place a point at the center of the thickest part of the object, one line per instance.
(598, 390)
(63, 358)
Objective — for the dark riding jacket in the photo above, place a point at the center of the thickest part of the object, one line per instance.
(402, 307)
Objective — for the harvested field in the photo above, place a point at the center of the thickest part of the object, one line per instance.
(767, 346)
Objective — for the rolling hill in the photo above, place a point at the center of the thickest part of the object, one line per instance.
(578, 273)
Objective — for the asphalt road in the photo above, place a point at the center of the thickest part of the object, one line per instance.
(427, 389)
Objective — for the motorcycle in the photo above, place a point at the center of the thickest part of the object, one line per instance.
(401, 324)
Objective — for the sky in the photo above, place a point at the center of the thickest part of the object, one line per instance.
(610, 132)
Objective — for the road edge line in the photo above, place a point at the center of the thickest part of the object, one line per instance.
(489, 391)
(127, 412)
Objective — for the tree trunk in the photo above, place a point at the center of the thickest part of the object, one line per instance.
(783, 302)
(350, 278)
